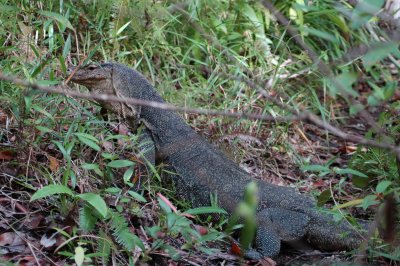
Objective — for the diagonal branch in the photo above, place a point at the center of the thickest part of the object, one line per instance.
(325, 70)
(304, 116)
(165, 106)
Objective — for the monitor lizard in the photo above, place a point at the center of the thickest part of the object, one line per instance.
(201, 169)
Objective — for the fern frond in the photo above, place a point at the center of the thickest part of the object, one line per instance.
(104, 248)
(87, 219)
(122, 234)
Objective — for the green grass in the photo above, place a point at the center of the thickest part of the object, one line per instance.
(47, 132)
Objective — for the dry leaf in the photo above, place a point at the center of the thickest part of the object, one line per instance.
(48, 241)
(3, 117)
(6, 155)
(33, 221)
(267, 262)
(166, 201)
(54, 165)
(11, 242)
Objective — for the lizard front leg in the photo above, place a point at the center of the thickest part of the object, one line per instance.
(275, 225)
(147, 149)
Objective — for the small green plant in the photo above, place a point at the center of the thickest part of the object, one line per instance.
(246, 213)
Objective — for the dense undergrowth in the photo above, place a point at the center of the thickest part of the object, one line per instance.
(95, 202)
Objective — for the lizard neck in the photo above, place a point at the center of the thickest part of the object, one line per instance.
(166, 126)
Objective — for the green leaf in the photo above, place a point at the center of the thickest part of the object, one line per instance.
(67, 46)
(164, 206)
(364, 11)
(65, 22)
(128, 174)
(108, 156)
(321, 34)
(339, 21)
(7, 8)
(120, 163)
(79, 255)
(92, 53)
(62, 64)
(44, 129)
(88, 140)
(360, 182)
(382, 186)
(51, 190)
(203, 210)
(348, 171)
(87, 219)
(87, 136)
(122, 28)
(94, 167)
(113, 190)
(379, 52)
(356, 108)
(96, 201)
(315, 168)
(343, 83)
(324, 197)
(137, 196)
(48, 82)
(90, 166)
(41, 110)
(251, 15)
(368, 201)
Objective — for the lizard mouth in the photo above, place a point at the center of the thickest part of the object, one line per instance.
(81, 77)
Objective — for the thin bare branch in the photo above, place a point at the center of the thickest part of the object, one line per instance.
(165, 106)
(305, 116)
(324, 68)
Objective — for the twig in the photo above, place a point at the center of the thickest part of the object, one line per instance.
(304, 116)
(33, 253)
(159, 105)
(325, 70)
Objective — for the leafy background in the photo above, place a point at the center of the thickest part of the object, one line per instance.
(66, 169)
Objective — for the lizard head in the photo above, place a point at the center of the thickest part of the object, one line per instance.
(107, 78)
(92, 76)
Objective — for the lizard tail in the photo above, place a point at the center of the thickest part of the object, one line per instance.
(328, 235)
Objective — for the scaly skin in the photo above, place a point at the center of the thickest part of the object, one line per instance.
(201, 169)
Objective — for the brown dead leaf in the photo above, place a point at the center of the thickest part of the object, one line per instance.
(14, 204)
(123, 129)
(33, 221)
(11, 242)
(7, 155)
(166, 201)
(3, 117)
(267, 262)
(8, 238)
(54, 165)
(30, 261)
(319, 183)
(108, 146)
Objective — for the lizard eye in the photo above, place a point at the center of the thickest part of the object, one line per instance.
(92, 67)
